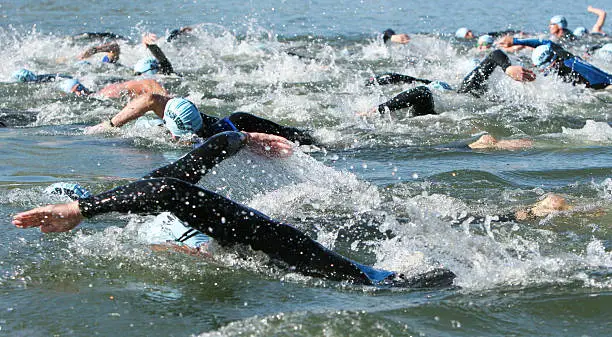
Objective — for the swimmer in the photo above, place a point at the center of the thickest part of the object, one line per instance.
(111, 49)
(228, 222)
(558, 29)
(464, 33)
(176, 33)
(550, 57)
(489, 142)
(158, 63)
(182, 118)
(130, 89)
(390, 36)
(551, 203)
(27, 76)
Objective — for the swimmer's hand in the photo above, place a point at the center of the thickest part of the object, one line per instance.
(149, 38)
(269, 145)
(400, 38)
(99, 128)
(367, 113)
(51, 218)
(520, 74)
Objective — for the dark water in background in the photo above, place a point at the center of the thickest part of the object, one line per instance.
(382, 192)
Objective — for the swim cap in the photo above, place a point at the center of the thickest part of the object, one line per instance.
(67, 85)
(580, 31)
(73, 191)
(148, 65)
(542, 56)
(559, 21)
(182, 117)
(387, 35)
(24, 75)
(461, 33)
(439, 85)
(485, 40)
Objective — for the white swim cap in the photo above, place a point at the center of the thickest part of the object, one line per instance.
(559, 21)
(461, 33)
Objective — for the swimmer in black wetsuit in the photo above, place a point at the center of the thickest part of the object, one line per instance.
(183, 119)
(171, 188)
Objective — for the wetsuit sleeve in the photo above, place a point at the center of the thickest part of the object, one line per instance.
(419, 98)
(394, 78)
(165, 67)
(199, 161)
(475, 82)
(530, 42)
(227, 222)
(247, 122)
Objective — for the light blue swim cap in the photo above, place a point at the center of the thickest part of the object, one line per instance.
(461, 33)
(439, 85)
(182, 117)
(542, 56)
(24, 75)
(148, 65)
(580, 31)
(73, 191)
(67, 85)
(485, 40)
(559, 21)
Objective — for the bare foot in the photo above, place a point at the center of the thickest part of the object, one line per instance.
(51, 218)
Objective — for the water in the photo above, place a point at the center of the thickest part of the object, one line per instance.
(387, 192)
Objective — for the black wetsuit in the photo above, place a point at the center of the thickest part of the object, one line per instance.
(420, 99)
(172, 188)
(475, 82)
(242, 121)
(394, 78)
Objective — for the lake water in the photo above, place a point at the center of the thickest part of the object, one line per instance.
(383, 191)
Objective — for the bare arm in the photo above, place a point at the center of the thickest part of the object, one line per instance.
(112, 48)
(133, 110)
(601, 19)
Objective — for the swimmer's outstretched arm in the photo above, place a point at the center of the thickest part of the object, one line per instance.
(133, 110)
(224, 220)
(601, 19)
(112, 48)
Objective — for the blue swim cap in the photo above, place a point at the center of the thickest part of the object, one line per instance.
(542, 56)
(24, 75)
(580, 31)
(559, 21)
(73, 191)
(461, 33)
(67, 85)
(439, 85)
(148, 65)
(182, 117)
(485, 40)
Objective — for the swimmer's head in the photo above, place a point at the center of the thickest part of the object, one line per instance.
(182, 118)
(485, 41)
(557, 23)
(147, 65)
(543, 56)
(464, 33)
(387, 35)
(24, 75)
(580, 31)
(71, 85)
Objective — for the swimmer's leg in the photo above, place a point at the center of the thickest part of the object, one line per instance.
(250, 123)
(419, 98)
(192, 166)
(227, 222)
(475, 82)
